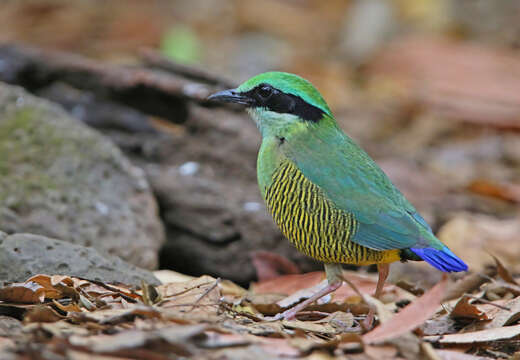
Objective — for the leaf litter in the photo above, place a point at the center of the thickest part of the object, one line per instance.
(204, 317)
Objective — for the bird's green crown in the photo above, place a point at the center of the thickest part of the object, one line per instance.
(284, 92)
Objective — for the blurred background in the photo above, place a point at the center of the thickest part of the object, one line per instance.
(430, 88)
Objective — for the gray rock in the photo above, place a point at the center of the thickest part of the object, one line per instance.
(61, 179)
(24, 255)
(214, 214)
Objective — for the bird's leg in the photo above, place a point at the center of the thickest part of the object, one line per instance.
(334, 281)
(383, 270)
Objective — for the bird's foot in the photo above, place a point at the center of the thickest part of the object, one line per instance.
(289, 314)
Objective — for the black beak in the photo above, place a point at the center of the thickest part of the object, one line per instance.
(231, 96)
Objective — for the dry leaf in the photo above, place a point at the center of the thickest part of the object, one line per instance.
(270, 265)
(456, 355)
(116, 316)
(27, 292)
(72, 307)
(487, 335)
(410, 317)
(196, 298)
(48, 284)
(464, 309)
(503, 272)
(42, 313)
(169, 276)
(505, 317)
(508, 192)
(79, 355)
(471, 235)
(313, 327)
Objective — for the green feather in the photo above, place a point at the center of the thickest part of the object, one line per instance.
(354, 182)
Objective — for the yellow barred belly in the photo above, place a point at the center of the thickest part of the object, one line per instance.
(313, 224)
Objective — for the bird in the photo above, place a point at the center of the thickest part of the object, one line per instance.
(328, 197)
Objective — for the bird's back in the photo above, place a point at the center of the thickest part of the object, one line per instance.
(313, 223)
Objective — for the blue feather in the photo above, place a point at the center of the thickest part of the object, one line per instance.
(443, 260)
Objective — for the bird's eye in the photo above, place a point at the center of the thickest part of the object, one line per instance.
(264, 92)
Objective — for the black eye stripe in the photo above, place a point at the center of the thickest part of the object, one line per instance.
(275, 100)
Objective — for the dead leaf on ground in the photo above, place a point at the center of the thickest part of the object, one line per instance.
(411, 316)
(116, 316)
(503, 191)
(503, 333)
(471, 236)
(42, 313)
(195, 298)
(465, 309)
(270, 265)
(456, 355)
(28, 292)
(503, 272)
(507, 315)
(169, 276)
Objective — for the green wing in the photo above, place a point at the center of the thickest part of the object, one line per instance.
(356, 184)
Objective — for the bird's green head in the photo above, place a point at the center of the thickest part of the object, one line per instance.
(279, 102)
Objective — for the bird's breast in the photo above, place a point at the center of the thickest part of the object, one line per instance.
(313, 223)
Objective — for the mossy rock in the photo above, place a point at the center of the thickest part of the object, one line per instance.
(61, 179)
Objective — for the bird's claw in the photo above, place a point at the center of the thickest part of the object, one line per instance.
(286, 315)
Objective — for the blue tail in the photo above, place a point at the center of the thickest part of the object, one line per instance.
(443, 260)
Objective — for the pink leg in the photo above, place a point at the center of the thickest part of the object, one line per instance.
(291, 313)
(383, 270)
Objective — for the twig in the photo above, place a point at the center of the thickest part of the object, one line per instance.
(185, 291)
(205, 293)
(487, 302)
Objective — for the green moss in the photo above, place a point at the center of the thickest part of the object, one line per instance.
(26, 144)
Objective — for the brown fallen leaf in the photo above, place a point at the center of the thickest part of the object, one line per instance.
(270, 265)
(169, 276)
(455, 79)
(342, 321)
(48, 283)
(72, 307)
(290, 284)
(503, 333)
(471, 235)
(411, 316)
(177, 336)
(42, 314)
(503, 272)
(80, 355)
(506, 316)
(381, 352)
(27, 293)
(116, 316)
(469, 283)
(503, 191)
(464, 309)
(62, 328)
(456, 355)
(195, 299)
(311, 327)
